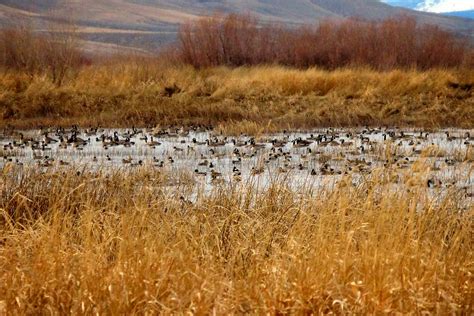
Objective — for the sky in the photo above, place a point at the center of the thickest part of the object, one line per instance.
(437, 6)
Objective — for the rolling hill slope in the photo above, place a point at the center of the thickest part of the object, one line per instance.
(464, 14)
(152, 23)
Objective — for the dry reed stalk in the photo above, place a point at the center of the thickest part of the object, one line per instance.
(114, 243)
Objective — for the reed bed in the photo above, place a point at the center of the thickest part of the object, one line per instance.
(77, 241)
(257, 99)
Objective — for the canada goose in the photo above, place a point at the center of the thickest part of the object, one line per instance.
(364, 140)
(236, 171)
(198, 143)
(127, 160)
(91, 132)
(62, 144)
(200, 173)
(255, 145)
(236, 161)
(80, 140)
(346, 144)
(216, 155)
(433, 183)
(49, 140)
(238, 143)
(8, 146)
(257, 171)
(450, 162)
(173, 134)
(215, 174)
(215, 143)
(153, 143)
(449, 137)
(467, 193)
(184, 133)
(204, 163)
(77, 146)
(136, 164)
(45, 164)
(185, 202)
(44, 147)
(278, 144)
(282, 170)
(37, 156)
(300, 143)
(326, 170)
(127, 143)
(314, 138)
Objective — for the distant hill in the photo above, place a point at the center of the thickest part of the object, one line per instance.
(152, 23)
(463, 14)
(410, 4)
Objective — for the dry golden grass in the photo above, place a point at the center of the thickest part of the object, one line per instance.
(124, 93)
(116, 243)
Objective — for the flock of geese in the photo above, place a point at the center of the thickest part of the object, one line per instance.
(322, 153)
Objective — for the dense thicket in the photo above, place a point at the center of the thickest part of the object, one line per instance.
(237, 40)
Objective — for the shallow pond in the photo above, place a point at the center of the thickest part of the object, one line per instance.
(317, 158)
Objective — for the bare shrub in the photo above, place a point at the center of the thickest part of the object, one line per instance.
(237, 40)
(54, 52)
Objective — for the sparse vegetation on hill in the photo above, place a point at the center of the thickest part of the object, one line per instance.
(162, 17)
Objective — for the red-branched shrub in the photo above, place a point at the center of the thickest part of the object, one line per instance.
(237, 40)
(53, 53)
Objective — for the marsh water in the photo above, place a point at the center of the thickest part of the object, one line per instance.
(205, 158)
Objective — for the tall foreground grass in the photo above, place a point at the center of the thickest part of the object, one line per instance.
(147, 92)
(118, 243)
